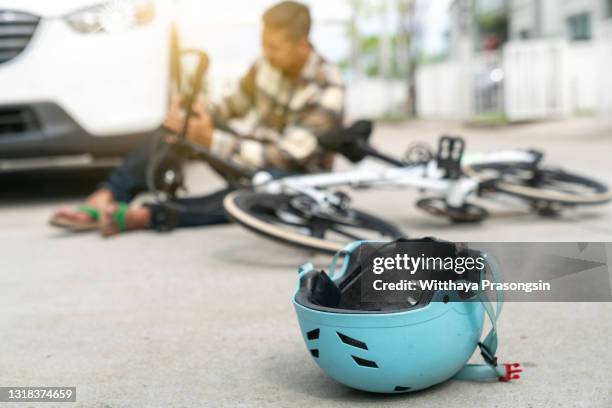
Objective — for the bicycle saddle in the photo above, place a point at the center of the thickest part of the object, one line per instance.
(351, 142)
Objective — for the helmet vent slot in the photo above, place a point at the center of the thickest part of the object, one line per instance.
(315, 353)
(313, 334)
(399, 388)
(351, 341)
(365, 363)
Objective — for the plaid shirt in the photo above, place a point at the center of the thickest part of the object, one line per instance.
(289, 114)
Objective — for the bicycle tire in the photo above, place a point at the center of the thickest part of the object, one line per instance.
(543, 185)
(259, 212)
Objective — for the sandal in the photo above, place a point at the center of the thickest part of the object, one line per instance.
(120, 216)
(64, 222)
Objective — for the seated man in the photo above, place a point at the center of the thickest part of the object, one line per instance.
(296, 96)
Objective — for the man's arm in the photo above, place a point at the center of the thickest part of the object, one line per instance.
(298, 143)
(300, 140)
(200, 125)
(238, 103)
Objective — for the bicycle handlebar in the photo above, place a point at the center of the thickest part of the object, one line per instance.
(372, 152)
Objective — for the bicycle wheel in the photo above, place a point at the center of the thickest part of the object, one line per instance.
(295, 220)
(540, 185)
(467, 213)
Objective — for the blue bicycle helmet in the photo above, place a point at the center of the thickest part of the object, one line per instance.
(393, 347)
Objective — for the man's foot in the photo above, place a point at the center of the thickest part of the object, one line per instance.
(84, 217)
(116, 218)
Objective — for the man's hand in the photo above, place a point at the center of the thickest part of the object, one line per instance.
(200, 124)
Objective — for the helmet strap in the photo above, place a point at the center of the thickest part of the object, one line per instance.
(488, 347)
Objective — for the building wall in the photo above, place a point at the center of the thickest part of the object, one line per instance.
(544, 77)
(522, 19)
(604, 79)
(548, 18)
(586, 79)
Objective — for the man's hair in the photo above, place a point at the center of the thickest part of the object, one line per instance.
(291, 17)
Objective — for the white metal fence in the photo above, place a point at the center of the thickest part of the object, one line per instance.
(535, 77)
(538, 79)
(441, 91)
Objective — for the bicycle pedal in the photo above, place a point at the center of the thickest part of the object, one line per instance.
(450, 153)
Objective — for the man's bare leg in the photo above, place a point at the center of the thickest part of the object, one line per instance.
(136, 218)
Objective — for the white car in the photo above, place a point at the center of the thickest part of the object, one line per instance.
(80, 80)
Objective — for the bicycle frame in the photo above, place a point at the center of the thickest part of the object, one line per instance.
(427, 176)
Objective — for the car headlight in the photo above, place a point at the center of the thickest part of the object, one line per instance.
(112, 16)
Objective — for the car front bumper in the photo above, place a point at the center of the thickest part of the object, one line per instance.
(45, 130)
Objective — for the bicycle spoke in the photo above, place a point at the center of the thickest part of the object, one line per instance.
(277, 220)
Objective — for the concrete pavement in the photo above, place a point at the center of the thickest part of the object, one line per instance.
(203, 317)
